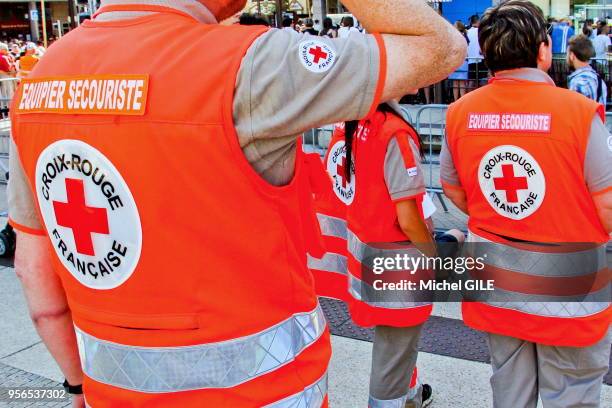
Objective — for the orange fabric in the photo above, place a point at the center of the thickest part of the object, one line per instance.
(566, 213)
(327, 284)
(382, 73)
(560, 154)
(237, 243)
(25, 229)
(372, 215)
(27, 64)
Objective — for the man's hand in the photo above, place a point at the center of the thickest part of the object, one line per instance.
(47, 303)
(422, 47)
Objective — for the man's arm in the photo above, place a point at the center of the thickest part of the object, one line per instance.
(405, 183)
(603, 204)
(449, 178)
(47, 303)
(421, 46)
(43, 290)
(598, 171)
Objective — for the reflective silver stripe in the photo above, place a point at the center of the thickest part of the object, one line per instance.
(213, 365)
(397, 402)
(544, 264)
(554, 309)
(387, 299)
(394, 403)
(330, 262)
(311, 397)
(364, 253)
(332, 226)
(535, 263)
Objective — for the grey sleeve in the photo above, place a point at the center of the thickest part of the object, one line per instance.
(598, 158)
(402, 181)
(290, 82)
(21, 204)
(448, 172)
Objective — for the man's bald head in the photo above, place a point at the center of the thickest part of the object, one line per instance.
(223, 9)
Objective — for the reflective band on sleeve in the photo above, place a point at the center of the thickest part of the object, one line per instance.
(330, 262)
(387, 299)
(332, 226)
(311, 397)
(213, 365)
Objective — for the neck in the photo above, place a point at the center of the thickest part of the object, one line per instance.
(580, 64)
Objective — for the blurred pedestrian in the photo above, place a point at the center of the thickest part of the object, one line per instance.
(347, 27)
(329, 30)
(584, 79)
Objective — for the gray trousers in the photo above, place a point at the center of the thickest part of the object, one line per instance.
(394, 356)
(562, 376)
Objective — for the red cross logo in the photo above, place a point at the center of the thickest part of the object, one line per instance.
(509, 183)
(341, 170)
(317, 53)
(81, 219)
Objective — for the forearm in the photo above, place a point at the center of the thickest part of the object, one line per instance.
(421, 237)
(457, 197)
(402, 17)
(47, 304)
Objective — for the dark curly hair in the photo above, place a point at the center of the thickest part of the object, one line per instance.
(510, 35)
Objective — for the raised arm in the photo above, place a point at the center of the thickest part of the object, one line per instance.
(422, 48)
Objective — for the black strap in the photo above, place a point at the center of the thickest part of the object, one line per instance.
(73, 389)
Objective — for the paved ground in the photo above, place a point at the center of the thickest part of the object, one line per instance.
(452, 359)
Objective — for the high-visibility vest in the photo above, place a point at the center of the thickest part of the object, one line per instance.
(137, 161)
(519, 154)
(373, 230)
(328, 268)
(26, 65)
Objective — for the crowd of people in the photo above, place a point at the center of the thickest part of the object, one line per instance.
(580, 59)
(18, 58)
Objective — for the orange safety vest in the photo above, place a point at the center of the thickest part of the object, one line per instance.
(27, 64)
(130, 161)
(373, 230)
(329, 268)
(520, 161)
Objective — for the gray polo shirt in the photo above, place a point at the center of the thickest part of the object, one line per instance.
(287, 83)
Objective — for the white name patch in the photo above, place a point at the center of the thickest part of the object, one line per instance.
(510, 122)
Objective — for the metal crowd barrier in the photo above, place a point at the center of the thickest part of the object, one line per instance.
(430, 122)
(7, 90)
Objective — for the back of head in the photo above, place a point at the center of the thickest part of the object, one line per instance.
(460, 26)
(328, 23)
(602, 26)
(510, 35)
(475, 20)
(223, 9)
(287, 22)
(582, 47)
(309, 23)
(348, 21)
